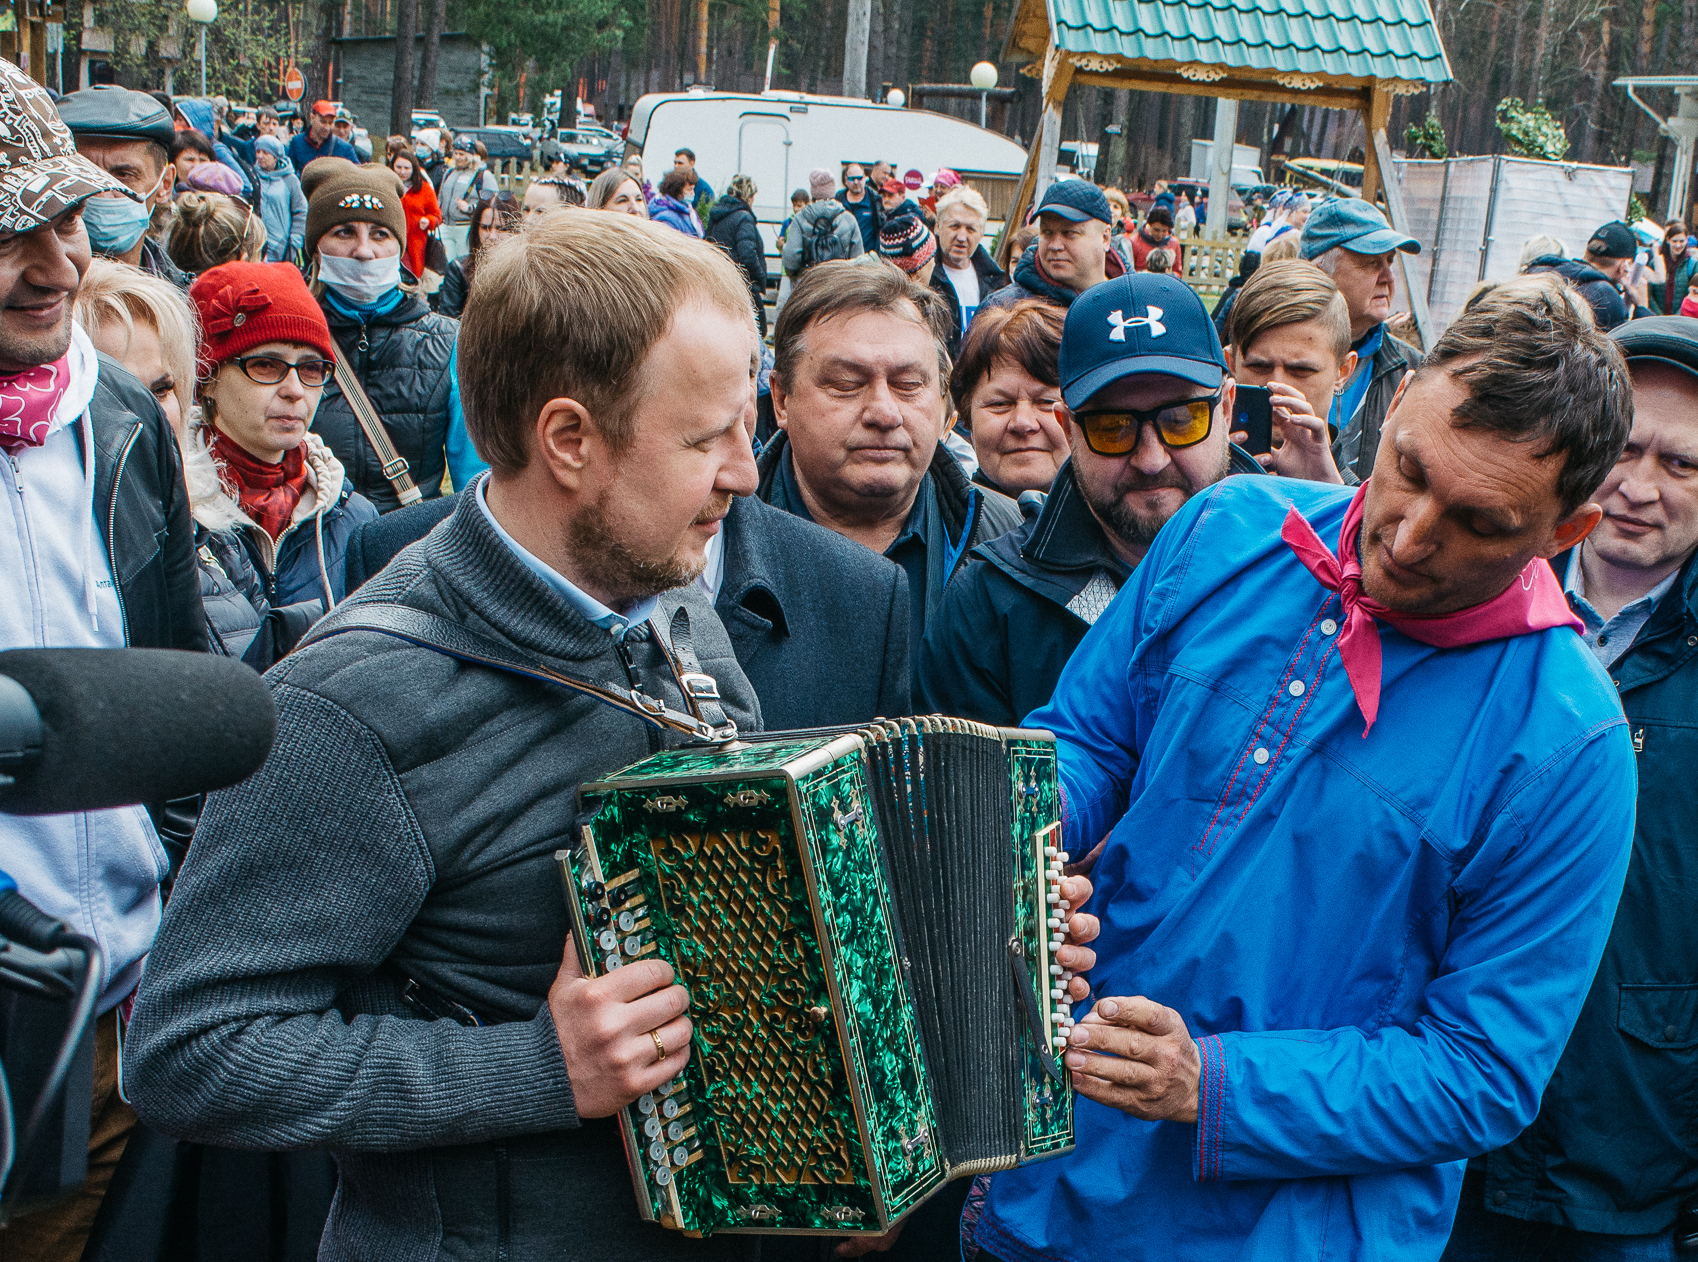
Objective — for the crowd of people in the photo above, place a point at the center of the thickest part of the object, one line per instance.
(1375, 746)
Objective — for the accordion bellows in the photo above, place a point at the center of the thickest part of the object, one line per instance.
(864, 921)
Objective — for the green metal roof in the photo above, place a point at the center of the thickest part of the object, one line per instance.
(1380, 39)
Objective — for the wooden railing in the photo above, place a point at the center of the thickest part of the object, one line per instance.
(1207, 266)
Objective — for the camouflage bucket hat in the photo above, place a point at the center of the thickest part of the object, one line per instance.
(41, 173)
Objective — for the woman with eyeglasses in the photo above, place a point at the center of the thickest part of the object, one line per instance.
(398, 349)
(498, 218)
(265, 356)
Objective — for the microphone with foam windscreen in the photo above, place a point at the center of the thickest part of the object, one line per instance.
(87, 729)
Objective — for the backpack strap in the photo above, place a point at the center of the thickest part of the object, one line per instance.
(453, 640)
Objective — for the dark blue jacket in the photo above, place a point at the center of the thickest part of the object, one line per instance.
(309, 561)
(1014, 614)
(302, 150)
(819, 624)
(1602, 293)
(1613, 1149)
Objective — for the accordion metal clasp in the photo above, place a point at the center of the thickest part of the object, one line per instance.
(866, 920)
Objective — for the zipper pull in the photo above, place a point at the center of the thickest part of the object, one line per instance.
(364, 344)
(1639, 741)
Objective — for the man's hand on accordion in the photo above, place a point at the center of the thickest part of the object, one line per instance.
(1074, 955)
(1137, 1056)
(621, 1035)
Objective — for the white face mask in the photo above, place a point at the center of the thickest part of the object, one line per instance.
(361, 281)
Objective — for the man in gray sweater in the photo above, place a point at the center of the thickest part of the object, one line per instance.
(393, 860)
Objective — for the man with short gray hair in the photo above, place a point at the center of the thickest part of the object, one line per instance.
(1350, 240)
(966, 274)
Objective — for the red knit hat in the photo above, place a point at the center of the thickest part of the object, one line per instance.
(244, 305)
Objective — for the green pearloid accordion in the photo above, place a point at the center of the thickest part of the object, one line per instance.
(866, 921)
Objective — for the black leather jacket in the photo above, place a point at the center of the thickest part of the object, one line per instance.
(143, 512)
(403, 359)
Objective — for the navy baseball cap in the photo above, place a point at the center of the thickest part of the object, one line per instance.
(1138, 323)
(1353, 224)
(1613, 241)
(1077, 200)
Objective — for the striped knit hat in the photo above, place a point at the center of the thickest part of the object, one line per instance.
(906, 242)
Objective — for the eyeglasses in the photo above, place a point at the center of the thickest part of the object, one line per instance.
(1178, 425)
(269, 370)
(857, 179)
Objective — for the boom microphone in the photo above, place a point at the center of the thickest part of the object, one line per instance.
(87, 729)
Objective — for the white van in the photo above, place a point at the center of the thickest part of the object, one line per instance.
(776, 138)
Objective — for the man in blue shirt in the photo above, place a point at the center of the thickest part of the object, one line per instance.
(319, 141)
(1366, 801)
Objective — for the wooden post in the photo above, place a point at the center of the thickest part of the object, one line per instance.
(1376, 113)
(1058, 74)
(701, 40)
(1396, 213)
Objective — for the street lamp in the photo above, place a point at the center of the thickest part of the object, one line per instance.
(203, 12)
(983, 77)
(897, 97)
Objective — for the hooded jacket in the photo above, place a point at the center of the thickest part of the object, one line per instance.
(1611, 1150)
(405, 826)
(402, 359)
(1031, 281)
(1602, 293)
(731, 226)
(845, 232)
(103, 524)
(675, 214)
(283, 208)
(198, 113)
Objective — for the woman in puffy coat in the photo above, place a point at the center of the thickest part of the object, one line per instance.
(400, 351)
(731, 226)
(264, 362)
(669, 206)
(147, 326)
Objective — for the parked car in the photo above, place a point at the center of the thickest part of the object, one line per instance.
(1199, 189)
(501, 143)
(589, 149)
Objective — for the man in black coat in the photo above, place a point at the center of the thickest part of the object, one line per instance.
(1013, 617)
(1598, 276)
(966, 274)
(1608, 1167)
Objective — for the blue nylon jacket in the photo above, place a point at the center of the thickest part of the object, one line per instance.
(1380, 943)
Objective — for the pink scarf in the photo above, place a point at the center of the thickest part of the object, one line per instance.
(1534, 602)
(28, 400)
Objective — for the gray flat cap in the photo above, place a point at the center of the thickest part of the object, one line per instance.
(117, 113)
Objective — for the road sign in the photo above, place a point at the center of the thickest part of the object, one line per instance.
(294, 84)
(914, 179)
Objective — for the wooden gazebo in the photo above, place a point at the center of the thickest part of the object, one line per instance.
(1339, 54)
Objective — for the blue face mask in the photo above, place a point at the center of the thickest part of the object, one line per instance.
(114, 224)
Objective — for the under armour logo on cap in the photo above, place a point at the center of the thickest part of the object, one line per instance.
(1120, 324)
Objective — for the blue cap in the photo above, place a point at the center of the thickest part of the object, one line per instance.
(1077, 200)
(1141, 322)
(1353, 224)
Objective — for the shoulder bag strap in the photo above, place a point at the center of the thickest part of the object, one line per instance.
(453, 640)
(394, 468)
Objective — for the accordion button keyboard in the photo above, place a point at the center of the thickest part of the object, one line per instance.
(607, 940)
(680, 1155)
(614, 961)
(651, 1128)
(663, 1176)
(593, 890)
(669, 1108)
(627, 922)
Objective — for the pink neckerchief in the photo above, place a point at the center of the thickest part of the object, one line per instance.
(1534, 602)
(28, 400)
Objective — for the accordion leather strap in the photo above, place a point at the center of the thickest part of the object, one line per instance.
(452, 640)
(700, 689)
(394, 467)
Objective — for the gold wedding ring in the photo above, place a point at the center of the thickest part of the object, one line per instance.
(659, 1047)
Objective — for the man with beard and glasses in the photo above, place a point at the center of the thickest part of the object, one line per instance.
(1147, 430)
(369, 951)
(1368, 801)
(96, 551)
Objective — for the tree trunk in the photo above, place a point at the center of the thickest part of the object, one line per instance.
(1114, 157)
(1541, 49)
(319, 84)
(401, 95)
(432, 53)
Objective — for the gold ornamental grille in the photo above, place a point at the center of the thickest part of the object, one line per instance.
(762, 1031)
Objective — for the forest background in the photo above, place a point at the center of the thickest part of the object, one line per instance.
(1561, 54)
